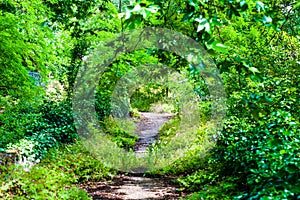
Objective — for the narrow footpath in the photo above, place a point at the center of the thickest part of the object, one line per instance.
(136, 186)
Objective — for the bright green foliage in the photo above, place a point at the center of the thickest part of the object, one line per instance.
(255, 45)
(143, 98)
(25, 45)
(54, 177)
(50, 124)
(260, 137)
(123, 136)
(40, 183)
(256, 48)
(43, 37)
(114, 73)
(56, 120)
(88, 23)
(13, 126)
(80, 164)
(205, 179)
(169, 128)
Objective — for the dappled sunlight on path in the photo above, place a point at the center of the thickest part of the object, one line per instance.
(136, 186)
(148, 128)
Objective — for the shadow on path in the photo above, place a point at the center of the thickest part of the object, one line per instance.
(135, 186)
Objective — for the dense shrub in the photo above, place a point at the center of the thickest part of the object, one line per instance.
(252, 160)
(51, 124)
(266, 154)
(14, 122)
(56, 120)
(33, 129)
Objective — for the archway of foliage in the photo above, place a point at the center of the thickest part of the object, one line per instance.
(255, 45)
(101, 59)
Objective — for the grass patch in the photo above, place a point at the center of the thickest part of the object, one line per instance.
(55, 177)
(121, 132)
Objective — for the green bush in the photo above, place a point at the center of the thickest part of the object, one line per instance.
(78, 162)
(49, 124)
(208, 185)
(56, 120)
(13, 127)
(40, 183)
(55, 177)
(14, 122)
(197, 152)
(260, 151)
(267, 154)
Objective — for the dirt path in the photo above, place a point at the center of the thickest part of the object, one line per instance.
(135, 186)
(148, 128)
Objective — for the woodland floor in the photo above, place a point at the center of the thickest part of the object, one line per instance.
(136, 186)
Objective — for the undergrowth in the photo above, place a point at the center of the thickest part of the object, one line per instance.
(120, 131)
(55, 177)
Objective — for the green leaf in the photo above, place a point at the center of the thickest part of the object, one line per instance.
(260, 6)
(282, 151)
(136, 8)
(243, 2)
(144, 13)
(127, 14)
(203, 24)
(253, 70)
(219, 47)
(256, 78)
(266, 19)
(153, 9)
(192, 3)
(291, 169)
